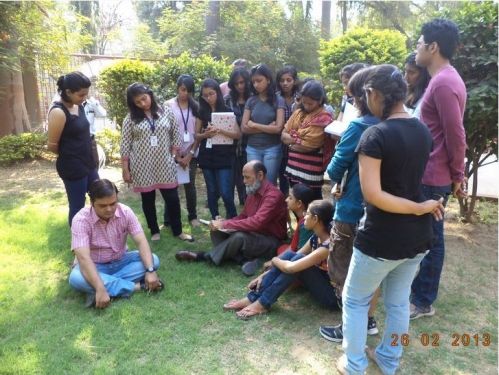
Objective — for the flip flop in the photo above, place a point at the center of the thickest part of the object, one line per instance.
(185, 237)
(249, 313)
(231, 305)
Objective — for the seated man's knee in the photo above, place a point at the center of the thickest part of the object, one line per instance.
(76, 279)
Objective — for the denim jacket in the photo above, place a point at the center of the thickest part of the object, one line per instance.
(350, 207)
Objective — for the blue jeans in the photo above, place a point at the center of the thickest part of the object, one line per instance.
(270, 157)
(119, 277)
(275, 283)
(76, 191)
(219, 182)
(365, 274)
(425, 285)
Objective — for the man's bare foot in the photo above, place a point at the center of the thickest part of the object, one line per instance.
(236, 304)
(250, 311)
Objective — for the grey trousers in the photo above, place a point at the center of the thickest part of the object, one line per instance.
(241, 246)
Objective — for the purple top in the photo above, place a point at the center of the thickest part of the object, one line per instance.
(442, 110)
(185, 120)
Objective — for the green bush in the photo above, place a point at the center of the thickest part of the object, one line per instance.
(114, 80)
(359, 45)
(166, 73)
(109, 139)
(21, 147)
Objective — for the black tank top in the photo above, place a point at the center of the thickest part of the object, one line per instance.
(75, 153)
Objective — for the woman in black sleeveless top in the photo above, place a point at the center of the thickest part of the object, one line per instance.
(69, 138)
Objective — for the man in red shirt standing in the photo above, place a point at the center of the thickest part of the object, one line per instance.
(442, 110)
(254, 234)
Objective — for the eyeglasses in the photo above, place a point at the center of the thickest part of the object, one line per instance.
(209, 95)
(421, 43)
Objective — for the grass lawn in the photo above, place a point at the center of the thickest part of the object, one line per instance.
(44, 328)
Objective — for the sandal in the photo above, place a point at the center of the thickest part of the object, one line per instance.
(236, 304)
(185, 237)
(248, 312)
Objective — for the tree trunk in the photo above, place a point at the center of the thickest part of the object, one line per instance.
(213, 23)
(213, 17)
(344, 20)
(31, 93)
(12, 106)
(326, 20)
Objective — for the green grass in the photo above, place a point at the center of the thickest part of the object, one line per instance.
(44, 328)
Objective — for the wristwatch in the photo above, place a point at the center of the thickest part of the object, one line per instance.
(150, 269)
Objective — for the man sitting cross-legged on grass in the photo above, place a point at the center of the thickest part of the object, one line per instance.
(254, 234)
(105, 268)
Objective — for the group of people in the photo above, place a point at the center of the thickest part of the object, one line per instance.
(392, 170)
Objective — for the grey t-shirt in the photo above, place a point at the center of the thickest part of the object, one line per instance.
(263, 113)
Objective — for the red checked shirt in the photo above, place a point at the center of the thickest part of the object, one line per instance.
(264, 212)
(105, 239)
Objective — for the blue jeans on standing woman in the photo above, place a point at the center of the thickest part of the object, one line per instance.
(220, 182)
(275, 283)
(425, 285)
(365, 274)
(270, 157)
(76, 191)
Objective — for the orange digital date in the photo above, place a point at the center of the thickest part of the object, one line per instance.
(433, 339)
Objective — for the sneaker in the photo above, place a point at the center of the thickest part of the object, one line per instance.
(332, 333)
(418, 312)
(372, 327)
(250, 268)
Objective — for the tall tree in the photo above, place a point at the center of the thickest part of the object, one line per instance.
(326, 20)
(88, 9)
(29, 32)
(213, 22)
(149, 12)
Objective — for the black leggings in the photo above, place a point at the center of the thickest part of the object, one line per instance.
(172, 205)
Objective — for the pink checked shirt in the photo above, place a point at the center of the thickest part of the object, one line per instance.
(106, 240)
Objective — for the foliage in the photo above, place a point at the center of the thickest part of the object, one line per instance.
(166, 73)
(185, 30)
(359, 45)
(145, 46)
(476, 62)
(259, 31)
(21, 147)
(109, 139)
(40, 29)
(114, 80)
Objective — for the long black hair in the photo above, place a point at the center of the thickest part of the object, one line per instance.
(324, 210)
(303, 193)
(137, 114)
(287, 69)
(234, 76)
(415, 92)
(356, 87)
(204, 107)
(187, 81)
(264, 70)
(314, 90)
(74, 81)
(390, 82)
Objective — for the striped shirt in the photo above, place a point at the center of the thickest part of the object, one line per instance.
(105, 239)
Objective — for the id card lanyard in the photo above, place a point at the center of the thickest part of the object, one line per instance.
(152, 126)
(187, 137)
